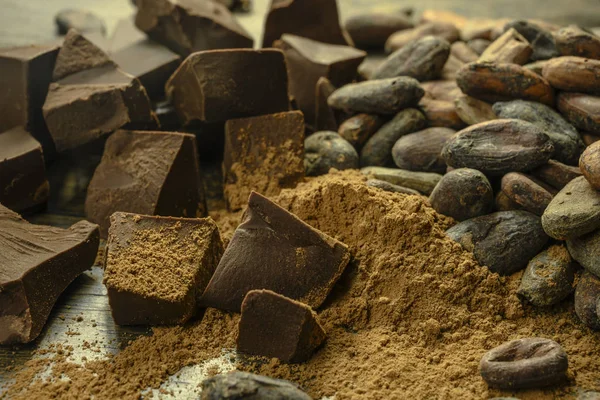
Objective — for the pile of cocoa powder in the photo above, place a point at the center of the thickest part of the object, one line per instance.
(411, 317)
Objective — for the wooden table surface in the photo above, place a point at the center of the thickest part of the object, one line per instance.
(31, 21)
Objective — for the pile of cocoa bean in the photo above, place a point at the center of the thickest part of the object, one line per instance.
(498, 122)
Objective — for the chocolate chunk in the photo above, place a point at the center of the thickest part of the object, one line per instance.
(92, 97)
(158, 267)
(325, 150)
(37, 263)
(23, 183)
(237, 385)
(190, 26)
(556, 174)
(161, 165)
(219, 85)
(325, 116)
(423, 182)
(273, 249)
(26, 75)
(313, 19)
(273, 325)
(308, 60)
(149, 62)
(264, 154)
(80, 20)
(371, 30)
(381, 96)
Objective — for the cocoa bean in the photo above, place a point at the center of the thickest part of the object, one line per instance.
(556, 174)
(573, 74)
(381, 96)
(446, 90)
(587, 297)
(462, 194)
(479, 45)
(589, 138)
(325, 116)
(424, 182)
(472, 111)
(480, 28)
(537, 66)
(504, 203)
(589, 163)
(389, 187)
(325, 150)
(581, 110)
(463, 52)
(586, 251)
(441, 113)
(421, 151)
(443, 16)
(371, 62)
(501, 82)
(540, 39)
(498, 147)
(511, 47)
(371, 30)
(503, 241)
(359, 128)
(243, 385)
(440, 29)
(574, 41)
(526, 192)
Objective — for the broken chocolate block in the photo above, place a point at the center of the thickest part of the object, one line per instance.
(36, 264)
(188, 26)
(26, 75)
(264, 154)
(275, 326)
(157, 267)
(308, 60)
(92, 97)
(149, 62)
(273, 249)
(152, 173)
(312, 19)
(219, 85)
(23, 183)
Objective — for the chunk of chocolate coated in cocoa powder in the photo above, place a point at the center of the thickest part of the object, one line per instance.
(573, 74)
(23, 183)
(308, 60)
(237, 385)
(188, 26)
(263, 154)
(31, 281)
(92, 97)
(219, 85)
(26, 75)
(273, 249)
(158, 267)
(162, 165)
(313, 19)
(276, 326)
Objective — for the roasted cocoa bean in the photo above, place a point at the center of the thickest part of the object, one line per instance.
(511, 47)
(371, 30)
(473, 111)
(556, 174)
(441, 113)
(581, 110)
(440, 29)
(421, 151)
(389, 187)
(586, 251)
(574, 41)
(325, 150)
(424, 182)
(589, 163)
(541, 41)
(573, 74)
(359, 128)
(587, 297)
(532, 196)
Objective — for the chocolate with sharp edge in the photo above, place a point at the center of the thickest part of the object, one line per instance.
(273, 325)
(264, 154)
(163, 166)
(273, 249)
(36, 264)
(218, 85)
(157, 267)
(92, 96)
(188, 26)
(312, 19)
(308, 60)
(26, 75)
(23, 183)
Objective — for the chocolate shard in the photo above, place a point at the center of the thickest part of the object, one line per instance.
(278, 139)
(188, 26)
(308, 60)
(23, 183)
(276, 326)
(37, 263)
(219, 85)
(157, 267)
(92, 96)
(313, 19)
(161, 165)
(237, 385)
(273, 249)
(26, 75)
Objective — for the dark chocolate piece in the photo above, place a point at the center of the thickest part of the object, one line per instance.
(149, 62)
(312, 19)
(219, 85)
(23, 183)
(92, 97)
(26, 75)
(36, 264)
(188, 26)
(162, 166)
(237, 385)
(273, 325)
(263, 154)
(80, 20)
(273, 249)
(308, 60)
(157, 267)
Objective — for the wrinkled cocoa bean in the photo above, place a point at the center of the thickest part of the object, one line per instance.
(325, 150)
(441, 90)
(359, 128)
(556, 174)
(581, 110)
(511, 47)
(421, 151)
(481, 28)
(589, 138)
(589, 163)
(462, 194)
(441, 113)
(541, 40)
(586, 251)
(526, 192)
(573, 74)
(373, 29)
(587, 297)
(472, 111)
(504, 203)
(498, 147)
(424, 182)
(537, 66)
(389, 187)
(574, 41)
(440, 29)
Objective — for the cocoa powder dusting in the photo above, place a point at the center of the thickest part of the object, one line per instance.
(410, 318)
